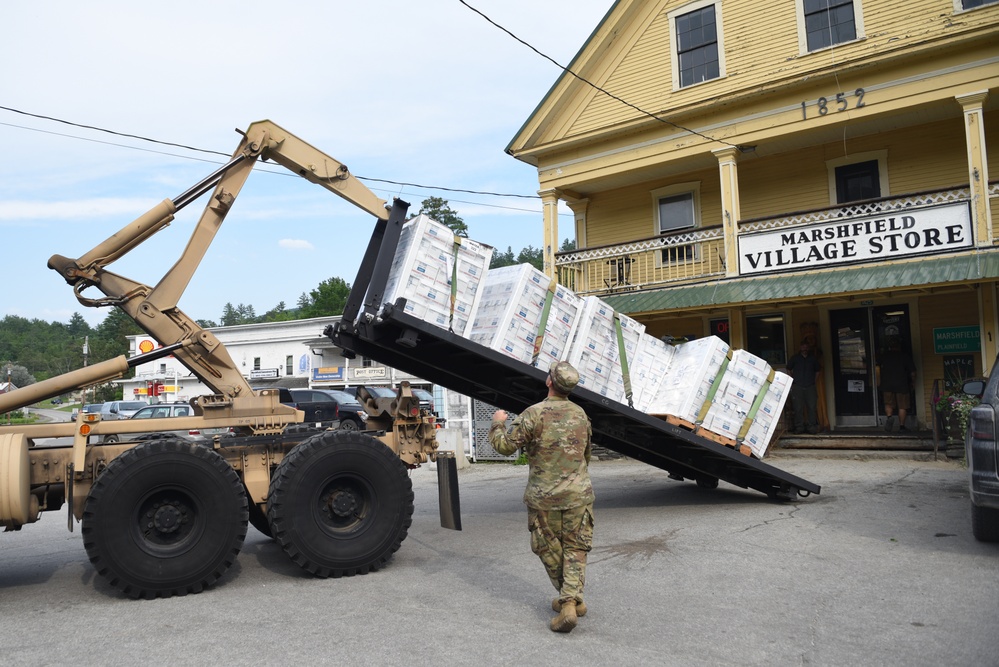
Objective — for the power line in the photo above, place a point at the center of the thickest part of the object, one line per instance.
(225, 155)
(598, 88)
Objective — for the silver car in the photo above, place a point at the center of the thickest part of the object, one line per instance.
(159, 411)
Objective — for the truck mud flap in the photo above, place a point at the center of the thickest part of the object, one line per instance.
(447, 487)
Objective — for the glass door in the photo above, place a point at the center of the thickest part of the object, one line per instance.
(853, 368)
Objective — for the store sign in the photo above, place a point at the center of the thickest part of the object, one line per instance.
(858, 239)
(264, 374)
(950, 340)
(369, 373)
(327, 373)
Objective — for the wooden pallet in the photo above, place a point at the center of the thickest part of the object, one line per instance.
(704, 433)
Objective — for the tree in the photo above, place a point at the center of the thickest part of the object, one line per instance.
(533, 256)
(568, 245)
(438, 209)
(329, 298)
(241, 314)
(19, 375)
(502, 259)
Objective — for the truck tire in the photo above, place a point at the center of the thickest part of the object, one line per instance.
(340, 504)
(985, 523)
(167, 517)
(349, 425)
(258, 519)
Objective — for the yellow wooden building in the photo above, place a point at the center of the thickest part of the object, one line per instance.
(777, 170)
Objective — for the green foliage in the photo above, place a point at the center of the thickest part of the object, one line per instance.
(438, 209)
(533, 256)
(568, 245)
(241, 314)
(956, 404)
(327, 299)
(502, 258)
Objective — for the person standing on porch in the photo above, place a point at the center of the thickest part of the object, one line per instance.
(898, 374)
(804, 368)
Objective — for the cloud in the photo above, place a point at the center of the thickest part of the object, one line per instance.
(72, 210)
(295, 244)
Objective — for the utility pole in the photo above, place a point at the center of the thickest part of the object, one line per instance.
(9, 369)
(83, 392)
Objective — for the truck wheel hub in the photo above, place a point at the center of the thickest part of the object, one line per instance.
(167, 518)
(343, 503)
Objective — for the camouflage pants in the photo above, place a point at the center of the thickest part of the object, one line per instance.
(561, 539)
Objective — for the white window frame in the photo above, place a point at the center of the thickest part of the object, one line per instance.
(692, 188)
(959, 6)
(858, 22)
(880, 156)
(674, 57)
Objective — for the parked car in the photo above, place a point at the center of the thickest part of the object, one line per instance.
(159, 411)
(89, 408)
(322, 405)
(982, 449)
(121, 409)
(426, 400)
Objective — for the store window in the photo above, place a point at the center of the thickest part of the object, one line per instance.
(765, 338)
(697, 50)
(825, 23)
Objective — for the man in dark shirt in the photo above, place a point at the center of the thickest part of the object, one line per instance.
(897, 375)
(804, 368)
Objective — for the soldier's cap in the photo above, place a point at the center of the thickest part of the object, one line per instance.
(564, 376)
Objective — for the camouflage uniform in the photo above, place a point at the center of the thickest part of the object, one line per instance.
(555, 436)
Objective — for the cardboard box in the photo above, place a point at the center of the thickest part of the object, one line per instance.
(595, 351)
(426, 263)
(512, 309)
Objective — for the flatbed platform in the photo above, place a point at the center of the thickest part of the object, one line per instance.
(401, 341)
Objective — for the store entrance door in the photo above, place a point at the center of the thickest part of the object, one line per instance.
(859, 335)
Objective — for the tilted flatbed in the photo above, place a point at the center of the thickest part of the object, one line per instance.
(387, 333)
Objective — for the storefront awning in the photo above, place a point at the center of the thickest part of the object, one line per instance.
(919, 274)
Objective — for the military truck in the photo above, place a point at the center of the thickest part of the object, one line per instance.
(162, 516)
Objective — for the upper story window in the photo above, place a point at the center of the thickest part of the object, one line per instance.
(289, 365)
(971, 4)
(696, 43)
(825, 23)
(256, 363)
(677, 207)
(858, 177)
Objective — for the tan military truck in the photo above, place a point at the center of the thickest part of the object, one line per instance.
(161, 516)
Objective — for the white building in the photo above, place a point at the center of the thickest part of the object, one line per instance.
(292, 354)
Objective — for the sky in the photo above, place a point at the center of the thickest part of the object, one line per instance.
(428, 93)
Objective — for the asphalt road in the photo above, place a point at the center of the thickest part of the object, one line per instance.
(880, 569)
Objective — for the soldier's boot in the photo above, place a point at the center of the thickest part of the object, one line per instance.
(580, 607)
(566, 619)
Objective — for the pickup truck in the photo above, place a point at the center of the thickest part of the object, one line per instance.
(326, 408)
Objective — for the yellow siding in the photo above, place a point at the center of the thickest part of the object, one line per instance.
(753, 57)
(627, 214)
(945, 310)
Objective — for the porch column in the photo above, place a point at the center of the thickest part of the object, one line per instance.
(736, 328)
(978, 165)
(549, 209)
(578, 208)
(987, 316)
(728, 174)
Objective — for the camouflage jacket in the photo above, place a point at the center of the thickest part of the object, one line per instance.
(555, 436)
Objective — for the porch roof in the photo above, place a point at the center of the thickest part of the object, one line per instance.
(914, 275)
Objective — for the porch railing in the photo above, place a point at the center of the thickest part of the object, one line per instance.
(699, 255)
(661, 260)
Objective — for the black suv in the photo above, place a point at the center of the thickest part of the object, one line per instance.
(982, 449)
(324, 405)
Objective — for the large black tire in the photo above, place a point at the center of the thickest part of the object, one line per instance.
(340, 504)
(167, 517)
(985, 523)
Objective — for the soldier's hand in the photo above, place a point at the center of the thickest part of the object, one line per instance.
(499, 416)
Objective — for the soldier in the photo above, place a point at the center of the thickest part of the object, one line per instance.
(555, 436)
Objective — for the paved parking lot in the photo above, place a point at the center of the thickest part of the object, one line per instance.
(880, 568)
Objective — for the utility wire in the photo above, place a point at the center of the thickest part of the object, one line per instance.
(225, 155)
(598, 88)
